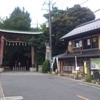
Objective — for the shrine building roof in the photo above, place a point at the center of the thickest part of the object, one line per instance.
(83, 28)
(19, 32)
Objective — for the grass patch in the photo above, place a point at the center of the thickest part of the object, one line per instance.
(89, 79)
(62, 75)
(99, 82)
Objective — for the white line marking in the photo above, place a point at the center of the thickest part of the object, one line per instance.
(90, 86)
(1, 89)
(12, 98)
(83, 84)
(95, 87)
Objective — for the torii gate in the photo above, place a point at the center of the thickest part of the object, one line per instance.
(3, 33)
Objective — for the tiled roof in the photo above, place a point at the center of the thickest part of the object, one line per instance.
(88, 26)
(19, 32)
(85, 53)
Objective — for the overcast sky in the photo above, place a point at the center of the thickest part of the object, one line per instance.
(34, 7)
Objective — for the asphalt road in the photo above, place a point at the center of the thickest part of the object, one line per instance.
(37, 86)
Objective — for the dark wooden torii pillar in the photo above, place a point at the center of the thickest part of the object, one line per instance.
(1, 50)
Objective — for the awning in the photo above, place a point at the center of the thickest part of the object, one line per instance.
(85, 53)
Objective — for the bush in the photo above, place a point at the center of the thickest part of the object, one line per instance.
(99, 82)
(89, 79)
(46, 66)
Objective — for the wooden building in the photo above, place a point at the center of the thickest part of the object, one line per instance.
(83, 45)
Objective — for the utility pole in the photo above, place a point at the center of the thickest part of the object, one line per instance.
(50, 33)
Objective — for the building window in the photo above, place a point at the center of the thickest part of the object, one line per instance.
(95, 42)
(80, 43)
(73, 43)
(77, 43)
(87, 43)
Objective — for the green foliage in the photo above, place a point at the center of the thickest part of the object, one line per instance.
(62, 75)
(46, 66)
(89, 79)
(64, 21)
(99, 82)
(55, 13)
(35, 29)
(1, 25)
(39, 46)
(32, 41)
(18, 20)
(82, 14)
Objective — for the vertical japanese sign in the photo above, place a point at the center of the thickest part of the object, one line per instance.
(85, 68)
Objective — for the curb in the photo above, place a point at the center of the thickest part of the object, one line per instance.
(77, 80)
(1, 91)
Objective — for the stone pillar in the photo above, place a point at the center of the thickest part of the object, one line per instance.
(32, 56)
(1, 49)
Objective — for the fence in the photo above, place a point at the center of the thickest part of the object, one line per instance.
(21, 68)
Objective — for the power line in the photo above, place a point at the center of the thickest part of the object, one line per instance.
(84, 2)
(66, 2)
(96, 11)
(62, 2)
(57, 1)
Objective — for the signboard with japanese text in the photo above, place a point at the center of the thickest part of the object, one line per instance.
(47, 49)
(95, 64)
(77, 50)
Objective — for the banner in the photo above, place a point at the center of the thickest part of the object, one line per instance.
(85, 68)
(52, 62)
(47, 49)
(57, 60)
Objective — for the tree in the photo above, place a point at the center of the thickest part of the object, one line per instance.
(81, 14)
(39, 45)
(1, 22)
(55, 13)
(18, 20)
(65, 21)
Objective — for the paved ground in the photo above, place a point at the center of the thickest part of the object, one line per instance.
(38, 86)
(9, 75)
